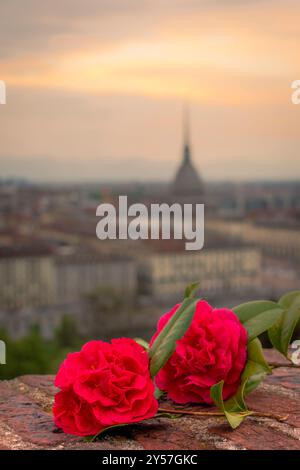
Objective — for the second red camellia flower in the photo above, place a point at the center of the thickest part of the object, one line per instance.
(214, 348)
(103, 385)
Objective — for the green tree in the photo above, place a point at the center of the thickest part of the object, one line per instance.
(27, 355)
(66, 334)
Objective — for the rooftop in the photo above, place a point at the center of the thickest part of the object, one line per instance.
(21, 251)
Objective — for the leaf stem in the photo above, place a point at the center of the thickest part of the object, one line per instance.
(282, 364)
(219, 413)
(279, 418)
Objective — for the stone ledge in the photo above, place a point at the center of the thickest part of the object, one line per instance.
(26, 421)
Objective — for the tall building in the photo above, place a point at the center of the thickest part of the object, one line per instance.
(187, 185)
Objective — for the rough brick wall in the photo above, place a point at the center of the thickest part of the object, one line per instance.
(26, 421)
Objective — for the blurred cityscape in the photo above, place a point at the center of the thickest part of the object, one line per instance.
(53, 267)
(93, 110)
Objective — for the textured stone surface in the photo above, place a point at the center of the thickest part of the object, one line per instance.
(26, 421)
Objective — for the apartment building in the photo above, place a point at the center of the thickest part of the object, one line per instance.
(220, 270)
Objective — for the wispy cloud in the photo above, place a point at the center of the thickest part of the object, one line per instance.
(70, 63)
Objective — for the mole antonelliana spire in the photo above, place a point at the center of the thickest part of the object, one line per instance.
(187, 183)
(186, 136)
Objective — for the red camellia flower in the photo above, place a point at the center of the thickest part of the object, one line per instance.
(73, 415)
(103, 385)
(212, 349)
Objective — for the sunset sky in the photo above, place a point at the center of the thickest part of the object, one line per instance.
(96, 88)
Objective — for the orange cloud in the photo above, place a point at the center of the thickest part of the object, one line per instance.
(213, 56)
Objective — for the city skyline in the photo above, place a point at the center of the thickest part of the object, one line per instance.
(95, 89)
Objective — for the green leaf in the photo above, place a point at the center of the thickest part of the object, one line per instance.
(191, 289)
(104, 431)
(165, 343)
(281, 332)
(164, 414)
(256, 367)
(256, 325)
(142, 343)
(248, 310)
(234, 409)
(237, 402)
(158, 393)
